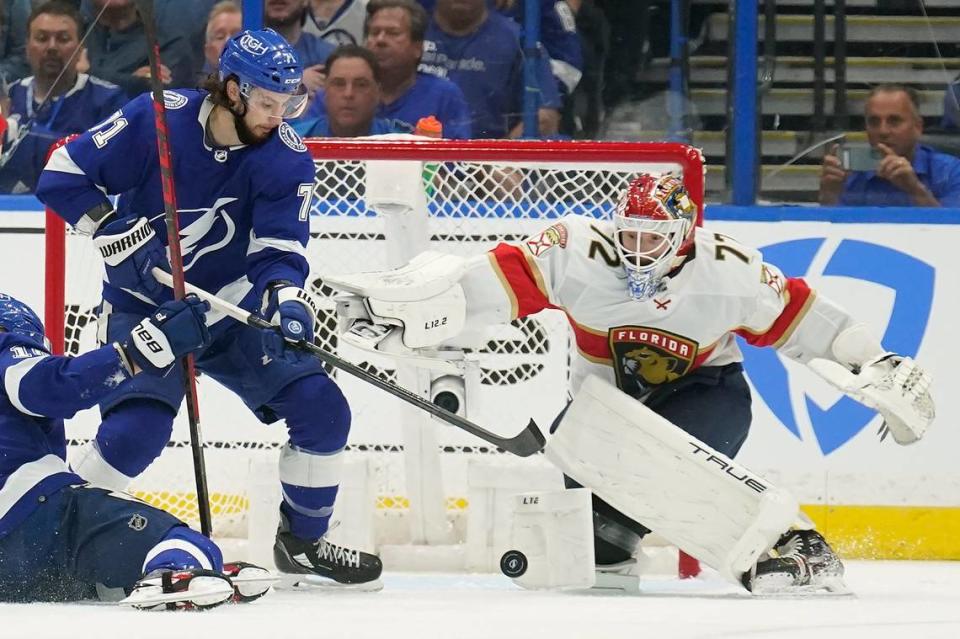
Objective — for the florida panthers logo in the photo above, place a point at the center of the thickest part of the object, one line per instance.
(646, 357)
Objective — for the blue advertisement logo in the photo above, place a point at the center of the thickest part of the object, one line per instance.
(912, 283)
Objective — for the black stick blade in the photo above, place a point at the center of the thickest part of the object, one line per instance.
(529, 441)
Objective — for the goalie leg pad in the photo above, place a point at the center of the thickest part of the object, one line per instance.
(653, 472)
(551, 540)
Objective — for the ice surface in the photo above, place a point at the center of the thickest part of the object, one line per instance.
(893, 600)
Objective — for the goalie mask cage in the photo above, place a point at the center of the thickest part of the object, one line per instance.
(409, 481)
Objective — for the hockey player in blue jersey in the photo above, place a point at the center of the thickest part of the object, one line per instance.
(244, 184)
(63, 540)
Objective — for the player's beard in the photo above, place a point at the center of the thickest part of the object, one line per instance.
(247, 135)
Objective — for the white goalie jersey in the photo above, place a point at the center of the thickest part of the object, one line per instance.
(720, 290)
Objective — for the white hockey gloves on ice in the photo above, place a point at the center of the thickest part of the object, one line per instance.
(894, 386)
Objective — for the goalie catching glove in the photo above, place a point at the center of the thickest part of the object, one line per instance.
(893, 385)
(294, 312)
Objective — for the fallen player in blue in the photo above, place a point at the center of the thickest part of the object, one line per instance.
(62, 539)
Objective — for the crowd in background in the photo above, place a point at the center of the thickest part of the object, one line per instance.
(371, 66)
(444, 68)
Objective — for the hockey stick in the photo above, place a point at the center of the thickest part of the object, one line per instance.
(145, 7)
(529, 441)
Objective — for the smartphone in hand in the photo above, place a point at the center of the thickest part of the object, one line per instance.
(859, 158)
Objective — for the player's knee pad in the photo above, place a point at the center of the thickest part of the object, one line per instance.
(316, 412)
(183, 548)
(131, 436)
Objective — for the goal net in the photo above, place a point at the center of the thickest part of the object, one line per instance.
(410, 481)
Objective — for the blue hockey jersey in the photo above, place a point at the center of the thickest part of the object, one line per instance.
(38, 392)
(244, 210)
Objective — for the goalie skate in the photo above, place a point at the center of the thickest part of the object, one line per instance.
(180, 590)
(323, 563)
(801, 563)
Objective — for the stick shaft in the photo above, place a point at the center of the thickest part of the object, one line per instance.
(176, 257)
(529, 441)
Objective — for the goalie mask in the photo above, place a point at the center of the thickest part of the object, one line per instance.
(19, 319)
(655, 220)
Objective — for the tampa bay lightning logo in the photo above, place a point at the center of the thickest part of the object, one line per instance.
(206, 230)
(290, 138)
(174, 100)
(912, 282)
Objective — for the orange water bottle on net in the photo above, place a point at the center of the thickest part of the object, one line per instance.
(430, 127)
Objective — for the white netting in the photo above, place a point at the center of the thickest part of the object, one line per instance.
(472, 205)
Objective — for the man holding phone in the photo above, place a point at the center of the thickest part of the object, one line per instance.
(897, 170)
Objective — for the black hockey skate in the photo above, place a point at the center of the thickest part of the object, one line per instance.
(321, 558)
(194, 589)
(801, 562)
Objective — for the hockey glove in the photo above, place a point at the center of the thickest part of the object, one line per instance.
(174, 329)
(294, 312)
(894, 386)
(130, 249)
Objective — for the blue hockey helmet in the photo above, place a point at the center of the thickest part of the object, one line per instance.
(19, 319)
(266, 60)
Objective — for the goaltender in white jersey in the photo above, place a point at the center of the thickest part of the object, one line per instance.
(721, 288)
(655, 304)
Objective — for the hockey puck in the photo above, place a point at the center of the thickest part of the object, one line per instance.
(513, 563)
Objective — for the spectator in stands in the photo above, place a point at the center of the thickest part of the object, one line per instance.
(287, 17)
(13, 33)
(583, 110)
(224, 22)
(337, 21)
(190, 19)
(480, 51)
(558, 33)
(951, 107)
(117, 49)
(77, 101)
(907, 173)
(394, 33)
(351, 95)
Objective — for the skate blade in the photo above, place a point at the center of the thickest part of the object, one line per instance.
(266, 580)
(290, 581)
(775, 589)
(212, 593)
